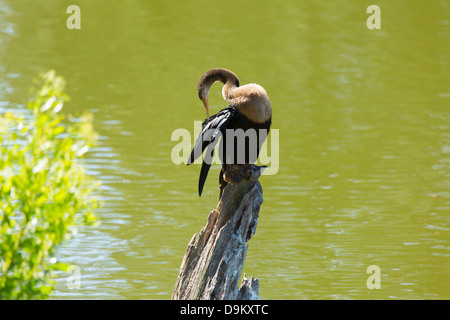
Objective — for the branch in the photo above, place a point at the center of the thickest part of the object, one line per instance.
(214, 257)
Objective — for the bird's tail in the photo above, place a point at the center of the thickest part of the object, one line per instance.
(203, 174)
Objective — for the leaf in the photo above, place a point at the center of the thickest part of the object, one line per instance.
(80, 152)
(48, 104)
(58, 107)
(40, 165)
(39, 209)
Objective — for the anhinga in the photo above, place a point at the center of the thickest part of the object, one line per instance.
(249, 109)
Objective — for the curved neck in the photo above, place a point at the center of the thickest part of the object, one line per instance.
(228, 78)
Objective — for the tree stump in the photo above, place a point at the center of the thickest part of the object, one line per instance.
(214, 257)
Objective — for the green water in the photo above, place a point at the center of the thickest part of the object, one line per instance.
(364, 137)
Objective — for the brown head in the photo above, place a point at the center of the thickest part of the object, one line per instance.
(228, 78)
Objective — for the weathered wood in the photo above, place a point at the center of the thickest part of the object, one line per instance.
(249, 289)
(214, 257)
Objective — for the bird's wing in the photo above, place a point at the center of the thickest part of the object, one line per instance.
(212, 129)
(210, 132)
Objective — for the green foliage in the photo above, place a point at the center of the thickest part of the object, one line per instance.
(44, 190)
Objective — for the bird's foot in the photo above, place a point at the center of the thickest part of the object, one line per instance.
(236, 172)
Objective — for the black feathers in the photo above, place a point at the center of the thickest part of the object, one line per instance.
(212, 129)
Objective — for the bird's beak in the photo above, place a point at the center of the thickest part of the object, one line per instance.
(205, 102)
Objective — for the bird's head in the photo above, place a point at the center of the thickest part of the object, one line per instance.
(203, 95)
(207, 80)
